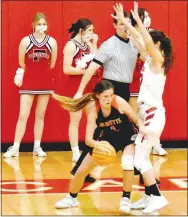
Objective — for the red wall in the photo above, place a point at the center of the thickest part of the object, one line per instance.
(169, 16)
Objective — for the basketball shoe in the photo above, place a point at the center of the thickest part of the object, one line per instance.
(157, 149)
(11, 152)
(125, 205)
(39, 152)
(155, 203)
(67, 202)
(142, 203)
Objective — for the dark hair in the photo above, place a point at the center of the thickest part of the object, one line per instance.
(82, 23)
(141, 13)
(74, 105)
(165, 46)
(126, 14)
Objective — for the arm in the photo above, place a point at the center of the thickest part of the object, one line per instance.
(135, 37)
(102, 56)
(149, 45)
(89, 72)
(143, 53)
(18, 78)
(53, 44)
(68, 52)
(91, 124)
(125, 108)
(22, 50)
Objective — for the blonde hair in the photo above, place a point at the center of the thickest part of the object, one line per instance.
(38, 16)
(74, 105)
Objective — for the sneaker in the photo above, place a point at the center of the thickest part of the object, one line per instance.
(39, 152)
(11, 152)
(75, 156)
(67, 202)
(89, 178)
(125, 205)
(155, 203)
(142, 203)
(157, 149)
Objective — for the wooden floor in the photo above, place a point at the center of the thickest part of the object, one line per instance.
(32, 185)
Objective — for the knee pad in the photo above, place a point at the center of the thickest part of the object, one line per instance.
(127, 162)
(143, 165)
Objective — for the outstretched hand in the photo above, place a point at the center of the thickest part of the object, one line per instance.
(135, 12)
(118, 8)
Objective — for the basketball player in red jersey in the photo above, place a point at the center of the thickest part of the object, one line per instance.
(37, 58)
(107, 120)
(135, 84)
(78, 52)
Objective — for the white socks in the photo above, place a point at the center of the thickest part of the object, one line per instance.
(75, 150)
(36, 144)
(16, 145)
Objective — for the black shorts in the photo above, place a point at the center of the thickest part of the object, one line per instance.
(121, 89)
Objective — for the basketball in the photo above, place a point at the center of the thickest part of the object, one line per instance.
(104, 153)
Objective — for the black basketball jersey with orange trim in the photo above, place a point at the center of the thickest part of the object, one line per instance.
(116, 129)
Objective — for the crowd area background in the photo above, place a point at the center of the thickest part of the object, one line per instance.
(168, 16)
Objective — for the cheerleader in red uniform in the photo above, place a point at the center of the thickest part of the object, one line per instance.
(137, 76)
(78, 53)
(37, 57)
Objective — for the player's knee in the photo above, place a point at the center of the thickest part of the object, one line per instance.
(146, 165)
(127, 162)
(137, 163)
(143, 165)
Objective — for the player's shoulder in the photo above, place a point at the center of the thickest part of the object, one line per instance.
(69, 47)
(52, 40)
(25, 39)
(91, 107)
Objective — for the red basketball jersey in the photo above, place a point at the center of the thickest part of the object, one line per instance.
(37, 76)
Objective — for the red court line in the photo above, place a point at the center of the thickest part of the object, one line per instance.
(62, 186)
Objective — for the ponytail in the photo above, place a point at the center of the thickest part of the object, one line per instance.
(166, 47)
(74, 105)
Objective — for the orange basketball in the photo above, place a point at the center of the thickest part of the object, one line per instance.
(104, 153)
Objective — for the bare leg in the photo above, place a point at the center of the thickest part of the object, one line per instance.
(76, 183)
(26, 102)
(77, 180)
(42, 102)
(75, 118)
(128, 175)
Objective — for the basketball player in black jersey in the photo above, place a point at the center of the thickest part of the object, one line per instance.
(111, 114)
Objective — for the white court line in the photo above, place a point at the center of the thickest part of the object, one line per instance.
(113, 192)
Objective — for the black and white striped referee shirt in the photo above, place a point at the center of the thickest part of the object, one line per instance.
(118, 57)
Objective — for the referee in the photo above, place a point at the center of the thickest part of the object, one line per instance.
(118, 57)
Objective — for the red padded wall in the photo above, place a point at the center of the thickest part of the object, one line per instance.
(169, 16)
